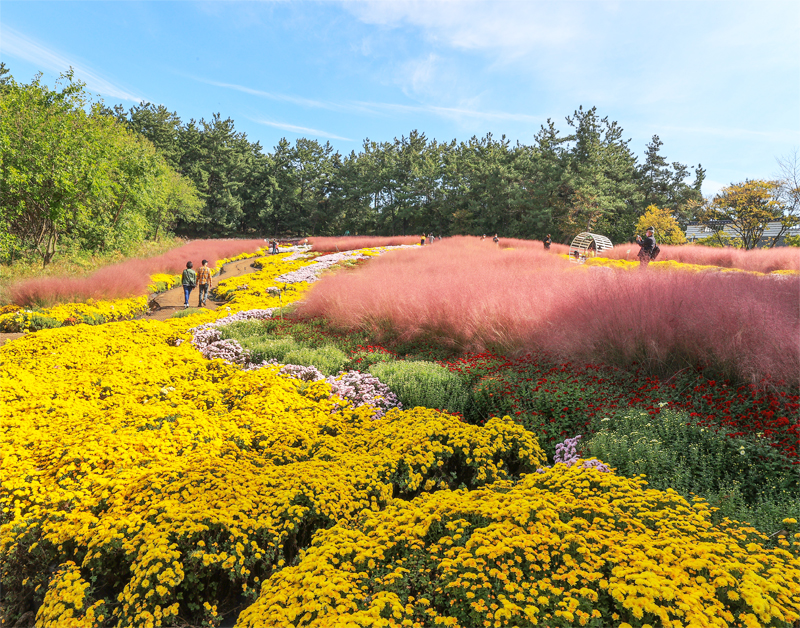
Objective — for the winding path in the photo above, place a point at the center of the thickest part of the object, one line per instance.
(165, 304)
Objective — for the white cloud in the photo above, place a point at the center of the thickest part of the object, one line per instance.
(300, 130)
(377, 108)
(15, 44)
(513, 28)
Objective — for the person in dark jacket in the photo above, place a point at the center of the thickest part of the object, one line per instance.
(646, 246)
(188, 280)
(547, 242)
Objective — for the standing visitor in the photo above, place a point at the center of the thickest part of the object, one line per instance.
(189, 280)
(203, 283)
(422, 240)
(547, 242)
(495, 239)
(646, 246)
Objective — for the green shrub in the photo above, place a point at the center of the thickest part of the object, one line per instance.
(188, 312)
(363, 360)
(266, 348)
(327, 359)
(94, 318)
(424, 384)
(39, 321)
(240, 330)
(746, 478)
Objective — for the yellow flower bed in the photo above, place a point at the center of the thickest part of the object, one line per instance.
(91, 312)
(156, 471)
(142, 485)
(671, 265)
(571, 547)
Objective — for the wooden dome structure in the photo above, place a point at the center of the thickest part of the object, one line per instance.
(587, 245)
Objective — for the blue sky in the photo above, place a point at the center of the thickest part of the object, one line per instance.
(718, 81)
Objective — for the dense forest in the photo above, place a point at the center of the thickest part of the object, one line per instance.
(76, 173)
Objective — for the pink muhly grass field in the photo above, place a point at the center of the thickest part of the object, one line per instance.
(759, 260)
(128, 278)
(475, 296)
(513, 243)
(352, 243)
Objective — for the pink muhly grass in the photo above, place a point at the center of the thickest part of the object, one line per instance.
(352, 243)
(128, 278)
(513, 243)
(758, 260)
(473, 296)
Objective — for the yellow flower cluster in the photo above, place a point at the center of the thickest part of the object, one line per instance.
(570, 547)
(252, 291)
(92, 312)
(161, 485)
(163, 281)
(173, 478)
(64, 604)
(671, 265)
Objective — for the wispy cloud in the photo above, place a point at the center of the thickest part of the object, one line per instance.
(300, 130)
(297, 100)
(515, 28)
(377, 108)
(15, 44)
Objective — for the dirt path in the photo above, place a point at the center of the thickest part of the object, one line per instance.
(165, 304)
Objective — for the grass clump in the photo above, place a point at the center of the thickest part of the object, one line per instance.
(419, 383)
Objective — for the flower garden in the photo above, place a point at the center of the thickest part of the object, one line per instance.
(333, 463)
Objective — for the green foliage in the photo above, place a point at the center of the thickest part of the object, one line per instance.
(745, 478)
(792, 240)
(188, 312)
(418, 383)
(71, 177)
(327, 359)
(748, 208)
(719, 240)
(39, 321)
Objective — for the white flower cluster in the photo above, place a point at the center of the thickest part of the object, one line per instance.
(207, 338)
(311, 273)
(364, 388)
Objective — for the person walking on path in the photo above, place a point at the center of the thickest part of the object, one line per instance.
(646, 246)
(203, 283)
(547, 242)
(189, 281)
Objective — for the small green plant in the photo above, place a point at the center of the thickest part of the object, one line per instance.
(424, 384)
(328, 359)
(746, 478)
(188, 312)
(39, 321)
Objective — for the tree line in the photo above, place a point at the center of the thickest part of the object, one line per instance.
(586, 178)
(75, 173)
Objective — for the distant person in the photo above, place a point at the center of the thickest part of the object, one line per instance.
(422, 240)
(495, 239)
(547, 242)
(189, 281)
(203, 283)
(483, 237)
(646, 246)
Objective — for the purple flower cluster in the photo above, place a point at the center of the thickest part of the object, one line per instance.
(364, 389)
(567, 453)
